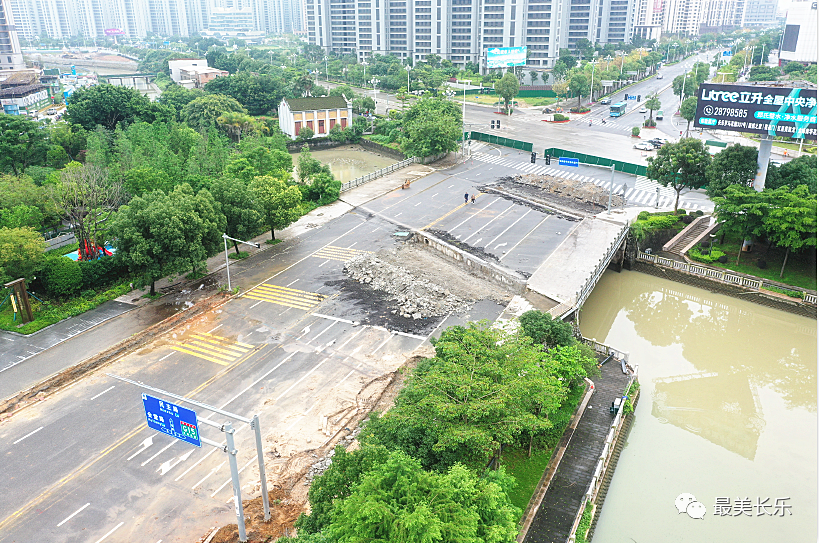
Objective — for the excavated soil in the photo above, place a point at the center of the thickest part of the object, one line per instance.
(571, 196)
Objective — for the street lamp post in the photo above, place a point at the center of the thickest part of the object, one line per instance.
(326, 70)
(591, 87)
(408, 68)
(227, 260)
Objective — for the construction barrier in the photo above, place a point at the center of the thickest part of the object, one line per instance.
(619, 165)
(499, 140)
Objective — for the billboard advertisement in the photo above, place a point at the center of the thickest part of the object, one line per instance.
(114, 32)
(501, 57)
(776, 111)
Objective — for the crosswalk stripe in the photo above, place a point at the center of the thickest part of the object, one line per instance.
(223, 340)
(337, 253)
(297, 299)
(199, 355)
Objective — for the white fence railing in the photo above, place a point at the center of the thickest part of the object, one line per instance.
(602, 348)
(715, 274)
(602, 264)
(380, 173)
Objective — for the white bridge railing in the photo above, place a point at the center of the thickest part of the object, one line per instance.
(717, 275)
(379, 173)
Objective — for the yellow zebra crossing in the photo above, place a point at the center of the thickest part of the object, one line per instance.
(288, 297)
(213, 348)
(337, 253)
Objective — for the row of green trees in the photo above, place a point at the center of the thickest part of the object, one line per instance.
(420, 473)
(784, 213)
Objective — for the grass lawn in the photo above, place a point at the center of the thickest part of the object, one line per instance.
(50, 312)
(799, 272)
(526, 470)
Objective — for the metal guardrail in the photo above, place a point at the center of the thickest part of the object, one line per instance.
(717, 275)
(379, 173)
(602, 348)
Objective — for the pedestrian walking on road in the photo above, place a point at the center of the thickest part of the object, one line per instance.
(466, 198)
(473, 198)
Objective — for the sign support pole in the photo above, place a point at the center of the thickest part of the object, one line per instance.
(764, 156)
(611, 189)
(262, 476)
(234, 475)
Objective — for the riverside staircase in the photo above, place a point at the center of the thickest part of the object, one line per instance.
(690, 236)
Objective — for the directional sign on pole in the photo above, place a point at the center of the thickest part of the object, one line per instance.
(174, 420)
(565, 161)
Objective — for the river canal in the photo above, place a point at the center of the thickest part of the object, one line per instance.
(727, 412)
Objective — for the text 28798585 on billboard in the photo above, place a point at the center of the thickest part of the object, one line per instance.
(776, 111)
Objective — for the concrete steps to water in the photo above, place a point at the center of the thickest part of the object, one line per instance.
(688, 235)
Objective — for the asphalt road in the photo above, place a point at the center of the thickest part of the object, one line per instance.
(82, 466)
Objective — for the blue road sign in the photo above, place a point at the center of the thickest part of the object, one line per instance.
(174, 420)
(565, 161)
(631, 96)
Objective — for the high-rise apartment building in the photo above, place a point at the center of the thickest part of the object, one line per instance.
(462, 30)
(136, 18)
(760, 12)
(648, 19)
(11, 56)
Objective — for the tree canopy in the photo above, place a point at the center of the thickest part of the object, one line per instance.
(202, 113)
(108, 106)
(162, 234)
(680, 165)
(21, 253)
(734, 165)
(508, 87)
(23, 142)
(483, 388)
(431, 126)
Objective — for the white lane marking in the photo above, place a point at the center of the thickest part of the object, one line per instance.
(166, 356)
(450, 186)
(160, 451)
(114, 529)
(496, 217)
(166, 466)
(507, 229)
(28, 434)
(323, 263)
(291, 282)
(228, 481)
(509, 252)
(254, 305)
(145, 444)
(332, 318)
(214, 329)
(472, 216)
(319, 334)
(213, 450)
(398, 215)
(433, 196)
(439, 325)
(383, 343)
(72, 515)
(305, 376)
(103, 392)
(419, 203)
(212, 471)
(406, 334)
(351, 246)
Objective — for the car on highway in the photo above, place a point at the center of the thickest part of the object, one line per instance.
(659, 76)
(644, 146)
(51, 111)
(605, 101)
(643, 109)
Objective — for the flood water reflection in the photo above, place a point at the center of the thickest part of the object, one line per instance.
(727, 410)
(349, 161)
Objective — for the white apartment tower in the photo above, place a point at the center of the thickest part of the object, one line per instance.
(462, 30)
(11, 56)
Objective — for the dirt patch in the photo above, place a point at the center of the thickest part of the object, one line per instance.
(288, 499)
(284, 510)
(573, 196)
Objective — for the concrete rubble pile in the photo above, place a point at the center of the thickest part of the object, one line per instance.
(414, 297)
(580, 190)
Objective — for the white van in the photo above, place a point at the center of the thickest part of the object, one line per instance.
(51, 111)
(659, 76)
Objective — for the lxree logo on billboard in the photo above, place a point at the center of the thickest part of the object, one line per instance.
(777, 111)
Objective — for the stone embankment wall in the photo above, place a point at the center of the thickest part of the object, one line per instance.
(755, 296)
